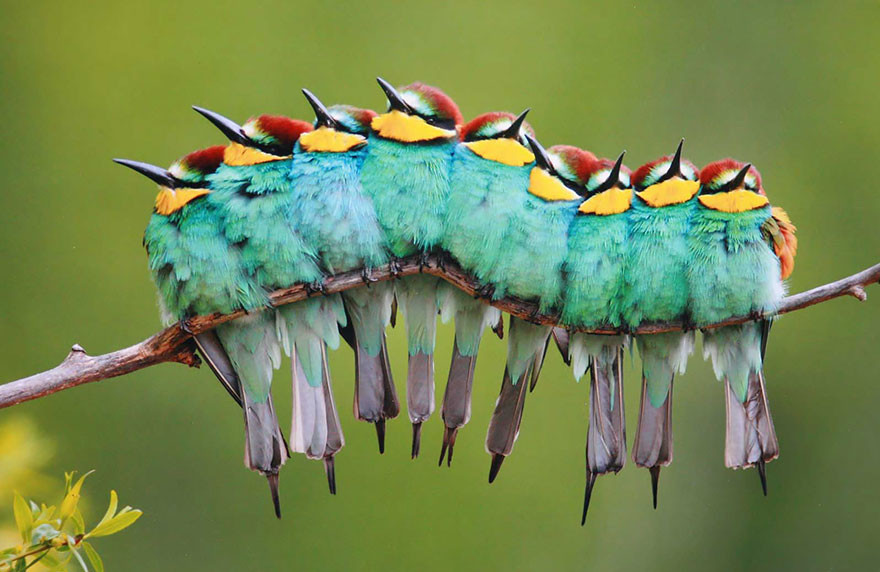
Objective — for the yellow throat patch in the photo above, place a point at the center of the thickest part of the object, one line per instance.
(328, 140)
(672, 191)
(172, 200)
(504, 150)
(405, 128)
(238, 155)
(736, 201)
(544, 185)
(612, 201)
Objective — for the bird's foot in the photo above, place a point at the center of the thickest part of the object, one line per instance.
(394, 267)
(367, 276)
(756, 316)
(316, 287)
(485, 292)
(186, 326)
(424, 260)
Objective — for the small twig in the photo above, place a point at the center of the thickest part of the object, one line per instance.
(173, 343)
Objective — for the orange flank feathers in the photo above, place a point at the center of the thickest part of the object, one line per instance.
(786, 249)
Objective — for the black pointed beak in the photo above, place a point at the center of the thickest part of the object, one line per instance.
(542, 159)
(675, 165)
(512, 132)
(230, 128)
(152, 172)
(740, 178)
(395, 100)
(613, 176)
(322, 114)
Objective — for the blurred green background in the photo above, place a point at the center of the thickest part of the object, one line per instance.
(792, 88)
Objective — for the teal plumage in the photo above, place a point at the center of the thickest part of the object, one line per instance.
(481, 189)
(197, 271)
(337, 218)
(254, 191)
(735, 248)
(406, 173)
(657, 264)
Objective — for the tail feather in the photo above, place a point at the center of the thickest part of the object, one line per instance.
(506, 419)
(215, 356)
(315, 429)
(265, 450)
(456, 411)
(751, 437)
(419, 394)
(606, 439)
(653, 443)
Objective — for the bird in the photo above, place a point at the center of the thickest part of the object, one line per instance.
(657, 262)
(742, 250)
(197, 271)
(530, 268)
(406, 173)
(595, 280)
(338, 219)
(253, 190)
(490, 165)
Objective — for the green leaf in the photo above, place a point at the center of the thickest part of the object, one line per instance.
(123, 520)
(44, 533)
(79, 525)
(24, 518)
(111, 509)
(71, 499)
(96, 561)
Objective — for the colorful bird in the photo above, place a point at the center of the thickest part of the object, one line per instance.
(595, 273)
(406, 173)
(197, 271)
(253, 190)
(741, 251)
(337, 218)
(530, 267)
(490, 166)
(657, 264)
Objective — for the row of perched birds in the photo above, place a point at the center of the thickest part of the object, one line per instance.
(289, 202)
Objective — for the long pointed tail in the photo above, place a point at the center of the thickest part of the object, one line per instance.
(506, 419)
(419, 394)
(265, 450)
(751, 437)
(375, 397)
(215, 356)
(652, 448)
(456, 410)
(606, 437)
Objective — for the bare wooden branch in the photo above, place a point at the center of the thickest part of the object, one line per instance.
(173, 344)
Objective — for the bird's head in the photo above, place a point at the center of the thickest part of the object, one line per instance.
(261, 139)
(557, 174)
(417, 113)
(608, 185)
(184, 181)
(338, 128)
(669, 180)
(731, 186)
(499, 137)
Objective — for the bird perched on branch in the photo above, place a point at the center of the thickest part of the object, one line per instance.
(491, 165)
(595, 274)
(337, 218)
(253, 190)
(657, 265)
(406, 173)
(531, 268)
(741, 251)
(198, 272)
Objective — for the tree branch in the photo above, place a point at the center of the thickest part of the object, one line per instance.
(174, 344)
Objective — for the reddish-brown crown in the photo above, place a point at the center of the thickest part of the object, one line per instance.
(487, 125)
(278, 129)
(578, 162)
(649, 173)
(437, 100)
(709, 175)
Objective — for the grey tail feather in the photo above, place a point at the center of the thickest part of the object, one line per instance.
(416, 440)
(449, 434)
(273, 490)
(369, 385)
(497, 459)
(561, 336)
(588, 494)
(330, 471)
(380, 434)
(652, 447)
(390, 404)
(456, 411)
(506, 419)
(762, 473)
(751, 437)
(215, 356)
(536, 367)
(420, 389)
(606, 439)
(265, 449)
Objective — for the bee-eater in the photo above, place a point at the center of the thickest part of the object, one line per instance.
(530, 268)
(253, 189)
(338, 219)
(490, 168)
(406, 173)
(657, 264)
(741, 251)
(595, 274)
(197, 272)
